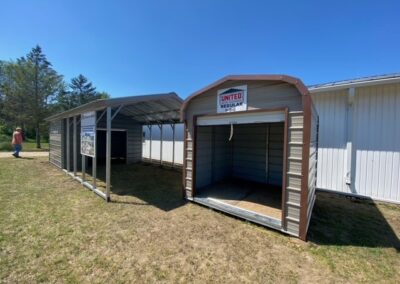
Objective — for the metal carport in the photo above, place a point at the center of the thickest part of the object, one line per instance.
(127, 113)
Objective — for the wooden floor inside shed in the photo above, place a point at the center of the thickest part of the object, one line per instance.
(255, 197)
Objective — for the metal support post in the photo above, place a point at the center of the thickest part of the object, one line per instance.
(173, 144)
(68, 146)
(151, 139)
(83, 168)
(108, 154)
(94, 171)
(74, 145)
(161, 142)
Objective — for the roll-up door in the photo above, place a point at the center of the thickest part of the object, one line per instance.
(241, 118)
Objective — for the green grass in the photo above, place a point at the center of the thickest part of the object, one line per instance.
(54, 230)
(29, 145)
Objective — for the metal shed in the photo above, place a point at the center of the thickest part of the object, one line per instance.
(115, 133)
(250, 150)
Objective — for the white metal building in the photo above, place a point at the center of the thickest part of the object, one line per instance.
(359, 136)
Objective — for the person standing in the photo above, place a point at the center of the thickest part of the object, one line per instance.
(17, 141)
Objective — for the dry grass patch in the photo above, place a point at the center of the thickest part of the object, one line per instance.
(54, 230)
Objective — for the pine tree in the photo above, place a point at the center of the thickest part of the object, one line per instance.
(82, 91)
(45, 84)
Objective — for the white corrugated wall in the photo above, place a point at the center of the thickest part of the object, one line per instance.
(375, 137)
(167, 143)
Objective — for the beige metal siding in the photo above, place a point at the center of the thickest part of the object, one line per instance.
(260, 95)
(293, 174)
(56, 143)
(188, 163)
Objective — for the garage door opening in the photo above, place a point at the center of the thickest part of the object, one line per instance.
(240, 168)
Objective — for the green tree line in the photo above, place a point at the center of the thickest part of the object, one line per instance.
(31, 90)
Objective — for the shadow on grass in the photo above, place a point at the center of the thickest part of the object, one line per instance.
(153, 185)
(344, 221)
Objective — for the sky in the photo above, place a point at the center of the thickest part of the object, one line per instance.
(141, 47)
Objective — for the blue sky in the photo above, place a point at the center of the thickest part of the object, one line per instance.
(139, 47)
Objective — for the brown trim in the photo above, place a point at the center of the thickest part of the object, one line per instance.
(194, 153)
(284, 78)
(305, 166)
(284, 173)
(184, 158)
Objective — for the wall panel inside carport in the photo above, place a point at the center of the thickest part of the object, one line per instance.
(133, 133)
(375, 139)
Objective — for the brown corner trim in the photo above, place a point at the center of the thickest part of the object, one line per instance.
(284, 171)
(194, 153)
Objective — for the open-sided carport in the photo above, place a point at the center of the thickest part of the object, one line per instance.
(102, 124)
(251, 150)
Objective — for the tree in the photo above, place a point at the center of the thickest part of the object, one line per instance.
(31, 90)
(103, 95)
(28, 86)
(45, 84)
(81, 91)
(12, 95)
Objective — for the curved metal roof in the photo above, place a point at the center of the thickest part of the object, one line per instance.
(297, 83)
(156, 108)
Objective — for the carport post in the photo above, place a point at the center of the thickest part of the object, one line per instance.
(83, 158)
(151, 137)
(75, 152)
(161, 142)
(68, 146)
(94, 159)
(173, 144)
(83, 168)
(108, 155)
(94, 171)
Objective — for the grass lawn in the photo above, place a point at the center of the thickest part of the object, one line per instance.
(29, 145)
(54, 230)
